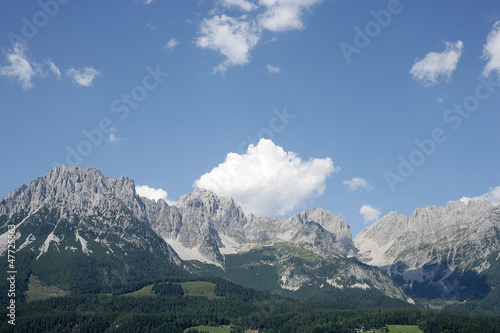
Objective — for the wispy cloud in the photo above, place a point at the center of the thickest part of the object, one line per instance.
(436, 64)
(241, 4)
(83, 77)
(493, 195)
(357, 183)
(171, 44)
(20, 67)
(113, 138)
(284, 15)
(369, 213)
(267, 180)
(54, 69)
(491, 51)
(273, 69)
(233, 38)
(150, 26)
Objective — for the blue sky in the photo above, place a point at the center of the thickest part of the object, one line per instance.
(365, 107)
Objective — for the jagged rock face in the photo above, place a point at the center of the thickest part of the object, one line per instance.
(73, 230)
(338, 234)
(433, 245)
(76, 188)
(194, 225)
(204, 227)
(320, 231)
(90, 206)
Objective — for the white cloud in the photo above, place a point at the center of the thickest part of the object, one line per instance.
(272, 69)
(54, 69)
(267, 180)
(440, 100)
(493, 195)
(153, 193)
(491, 50)
(20, 67)
(113, 138)
(150, 26)
(83, 77)
(369, 213)
(171, 44)
(283, 15)
(357, 183)
(242, 4)
(233, 38)
(437, 64)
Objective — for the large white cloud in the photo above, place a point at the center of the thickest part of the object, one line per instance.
(267, 180)
(436, 64)
(493, 195)
(233, 38)
(21, 68)
(491, 50)
(83, 77)
(357, 183)
(283, 15)
(369, 213)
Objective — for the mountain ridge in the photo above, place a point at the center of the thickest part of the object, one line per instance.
(80, 213)
(448, 252)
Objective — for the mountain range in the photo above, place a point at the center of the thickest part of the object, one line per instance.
(79, 231)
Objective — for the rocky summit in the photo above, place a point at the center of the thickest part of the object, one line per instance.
(450, 252)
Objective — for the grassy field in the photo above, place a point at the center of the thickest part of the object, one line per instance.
(37, 290)
(146, 291)
(404, 329)
(193, 288)
(199, 288)
(212, 329)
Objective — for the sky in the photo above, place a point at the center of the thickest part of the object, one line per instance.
(357, 107)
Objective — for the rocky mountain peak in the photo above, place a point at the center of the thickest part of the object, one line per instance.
(435, 243)
(72, 210)
(75, 188)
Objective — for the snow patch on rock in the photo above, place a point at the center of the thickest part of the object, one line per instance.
(333, 282)
(30, 239)
(231, 245)
(45, 246)
(363, 286)
(189, 254)
(84, 244)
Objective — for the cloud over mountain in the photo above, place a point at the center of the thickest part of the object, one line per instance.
(268, 180)
(369, 213)
(493, 195)
(153, 193)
